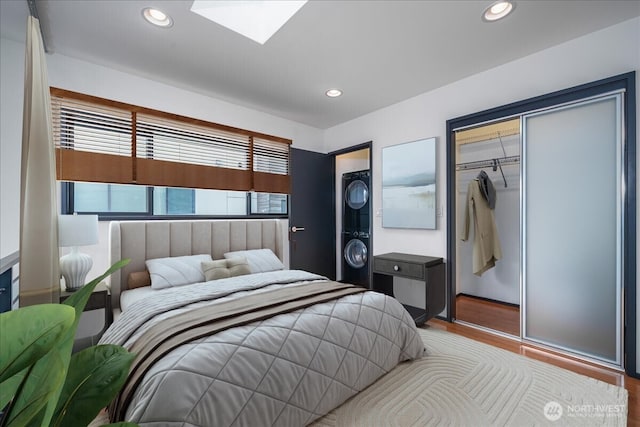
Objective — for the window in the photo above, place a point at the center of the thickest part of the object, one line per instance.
(136, 201)
(109, 198)
(119, 160)
(173, 201)
(265, 203)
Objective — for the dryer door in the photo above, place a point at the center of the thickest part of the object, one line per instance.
(355, 253)
(357, 194)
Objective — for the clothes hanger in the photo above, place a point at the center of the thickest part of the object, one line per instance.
(496, 165)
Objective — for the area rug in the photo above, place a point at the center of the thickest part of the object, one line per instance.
(462, 382)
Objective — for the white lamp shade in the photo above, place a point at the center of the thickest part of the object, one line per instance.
(77, 230)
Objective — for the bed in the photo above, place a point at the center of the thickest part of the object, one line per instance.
(249, 341)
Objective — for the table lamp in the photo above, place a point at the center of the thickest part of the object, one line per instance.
(74, 231)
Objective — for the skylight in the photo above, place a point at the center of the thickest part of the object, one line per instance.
(255, 19)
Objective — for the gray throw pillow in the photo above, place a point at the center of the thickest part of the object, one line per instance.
(260, 260)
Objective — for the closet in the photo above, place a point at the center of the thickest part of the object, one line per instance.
(541, 204)
(490, 298)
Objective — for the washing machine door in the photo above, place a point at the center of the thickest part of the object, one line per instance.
(355, 253)
(357, 194)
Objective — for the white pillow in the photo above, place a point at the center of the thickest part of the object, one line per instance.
(176, 271)
(260, 260)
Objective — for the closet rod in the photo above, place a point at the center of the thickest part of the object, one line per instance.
(489, 163)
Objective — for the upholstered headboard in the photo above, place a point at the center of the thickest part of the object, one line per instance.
(142, 240)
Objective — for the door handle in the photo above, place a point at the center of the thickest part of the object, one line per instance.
(296, 229)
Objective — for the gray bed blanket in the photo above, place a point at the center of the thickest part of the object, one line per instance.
(286, 370)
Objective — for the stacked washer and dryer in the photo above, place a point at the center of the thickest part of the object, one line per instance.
(356, 225)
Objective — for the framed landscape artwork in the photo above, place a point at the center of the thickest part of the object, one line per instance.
(409, 185)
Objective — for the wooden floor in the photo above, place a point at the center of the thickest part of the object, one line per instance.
(492, 315)
(603, 374)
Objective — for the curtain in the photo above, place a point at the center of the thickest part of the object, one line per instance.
(39, 260)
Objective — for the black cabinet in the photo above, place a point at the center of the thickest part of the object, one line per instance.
(5, 291)
(429, 270)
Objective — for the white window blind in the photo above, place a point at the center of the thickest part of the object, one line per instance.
(270, 157)
(270, 166)
(92, 141)
(82, 126)
(175, 141)
(99, 140)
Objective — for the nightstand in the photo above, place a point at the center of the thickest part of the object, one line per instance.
(100, 299)
(429, 270)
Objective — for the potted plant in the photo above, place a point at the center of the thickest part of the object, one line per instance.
(41, 382)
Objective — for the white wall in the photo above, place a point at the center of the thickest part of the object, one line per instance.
(614, 50)
(11, 95)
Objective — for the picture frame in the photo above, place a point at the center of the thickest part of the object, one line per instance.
(409, 185)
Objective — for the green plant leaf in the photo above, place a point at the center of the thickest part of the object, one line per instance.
(9, 387)
(78, 301)
(36, 393)
(28, 334)
(95, 376)
(62, 348)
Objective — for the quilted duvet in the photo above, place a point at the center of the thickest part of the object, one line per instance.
(286, 370)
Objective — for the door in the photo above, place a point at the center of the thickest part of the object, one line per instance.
(572, 228)
(312, 213)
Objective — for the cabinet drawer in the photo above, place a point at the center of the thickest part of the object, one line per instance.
(398, 268)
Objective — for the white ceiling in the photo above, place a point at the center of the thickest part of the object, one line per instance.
(378, 52)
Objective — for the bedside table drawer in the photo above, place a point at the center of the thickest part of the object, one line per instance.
(398, 268)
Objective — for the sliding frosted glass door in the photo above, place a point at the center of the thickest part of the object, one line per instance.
(572, 241)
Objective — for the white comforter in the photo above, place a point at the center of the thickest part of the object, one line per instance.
(287, 370)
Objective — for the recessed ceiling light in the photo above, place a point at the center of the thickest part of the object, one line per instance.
(333, 93)
(157, 17)
(254, 19)
(498, 10)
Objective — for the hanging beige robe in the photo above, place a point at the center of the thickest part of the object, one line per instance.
(486, 245)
